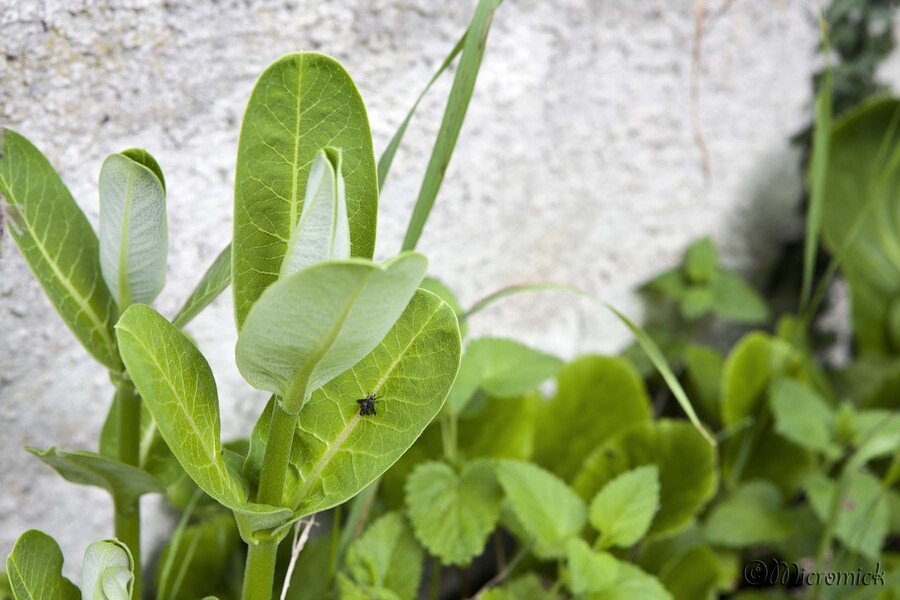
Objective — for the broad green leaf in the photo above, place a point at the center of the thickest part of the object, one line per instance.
(701, 261)
(301, 103)
(350, 590)
(500, 428)
(596, 397)
(323, 231)
(337, 452)
(177, 384)
(803, 417)
(686, 462)
(864, 515)
(502, 368)
(624, 508)
(734, 300)
(631, 583)
(387, 556)
(693, 575)
(35, 569)
(107, 572)
(454, 114)
(589, 571)
(524, 587)
(213, 283)
(315, 324)
(134, 239)
(703, 377)
(453, 514)
(753, 514)
(549, 511)
(124, 482)
(59, 245)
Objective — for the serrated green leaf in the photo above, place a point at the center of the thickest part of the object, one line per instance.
(453, 514)
(624, 508)
(387, 557)
(589, 571)
(213, 283)
(107, 571)
(337, 452)
(734, 300)
(803, 417)
(632, 583)
(686, 462)
(701, 261)
(35, 569)
(697, 301)
(549, 511)
(753, 514)
(134, 239)
(301, 103)
(124, 482)
(59, 245)
(596, 397)
(313, 325)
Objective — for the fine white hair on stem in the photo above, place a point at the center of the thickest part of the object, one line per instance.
(300, 539)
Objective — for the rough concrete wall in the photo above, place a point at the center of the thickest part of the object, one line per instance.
(577, 164)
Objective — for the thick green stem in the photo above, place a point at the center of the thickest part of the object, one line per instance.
(128, 516)
(259, 574)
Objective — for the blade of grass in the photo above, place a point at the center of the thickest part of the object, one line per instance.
(518, 289)
(454, 114)
(174, 546)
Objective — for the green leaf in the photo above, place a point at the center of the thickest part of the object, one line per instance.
(35, 569)
(315, 324)
(546, 507)
(454, 114)
(387, 556)
(753, 514)
(59, 245)
(734, 300)
(596, 397)
(438, 288)
(213, 283)
(623, 510)
(124, 482)
(693, 575)
(631, 582)
(864, 517)
(301, 104)
(177, 384)
(803, 417)
(687, 473)
(500, 428)
(589, 571)
(502, 368)
(336, 452)
(107, 571)
(701, 261)
(703, 377)
(134, 239)
(513, 290)
(323, 231)
(453, 513)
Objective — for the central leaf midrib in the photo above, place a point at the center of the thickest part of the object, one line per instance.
(124, 287)
(295, 175)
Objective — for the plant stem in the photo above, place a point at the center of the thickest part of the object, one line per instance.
(128, 514)
(259, 573)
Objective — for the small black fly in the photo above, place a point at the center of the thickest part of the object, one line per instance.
(367, 405)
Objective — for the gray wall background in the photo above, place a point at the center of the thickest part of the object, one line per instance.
(577, 165)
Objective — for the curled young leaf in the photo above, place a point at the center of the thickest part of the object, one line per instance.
(107, 571)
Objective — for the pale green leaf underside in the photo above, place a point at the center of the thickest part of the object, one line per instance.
(336, 452)
(134, 239)
(59, 245)
(623, 510)
(107, 571)
(315, 324)
(35, 569)
(387, 557)
(301, 104)
(213, 283)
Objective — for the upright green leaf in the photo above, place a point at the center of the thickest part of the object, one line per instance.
(453, 513)
(753, 514)
(35, 569)
(59, 245)
(623, 510)
(545, 507)
(134, 239)
(315, 324)
(213, 283)
(302, 103)
(803, 417)
(387, 557)
(701, 261)
(107, 572)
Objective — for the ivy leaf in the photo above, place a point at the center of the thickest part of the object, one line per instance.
(59, 245)
(213, 283)
(686, 463)
(753, 514)
(301, 104)
(336, 452)
(803, 417)
(107, 571)
(544, 506)
(387, 557)
(124, 482)
(35, 569)
(134, 239)
(596, 397)
(315, 324)
(589, 571)
(623, 510)
(453, 513)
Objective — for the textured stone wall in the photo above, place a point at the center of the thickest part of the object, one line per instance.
(577, 165)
